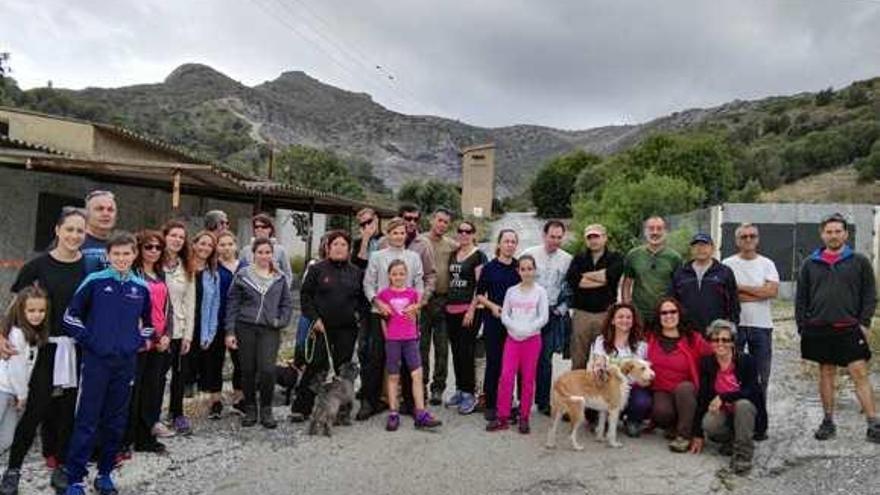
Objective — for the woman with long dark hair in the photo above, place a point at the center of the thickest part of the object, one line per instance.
(496, 277)
(53, 386)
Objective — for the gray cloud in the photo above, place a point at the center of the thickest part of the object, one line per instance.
(569, 63)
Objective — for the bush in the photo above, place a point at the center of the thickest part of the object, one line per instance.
(856, 96)
(869, 166)
(776, 124)
(553, 186)
(824, 97)
(316, 169)
(430, 195)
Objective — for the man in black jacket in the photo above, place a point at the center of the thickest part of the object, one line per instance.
(705, 287)
(836, 298)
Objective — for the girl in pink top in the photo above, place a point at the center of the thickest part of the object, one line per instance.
(402, 343)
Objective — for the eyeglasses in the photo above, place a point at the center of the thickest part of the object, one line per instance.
(366, 222)
(152, 247)
(669, 312)
(721, 340)
(465, 231)
(411, 218)
(261, 226)
(749, 236)
(593, 236)
(223, 222)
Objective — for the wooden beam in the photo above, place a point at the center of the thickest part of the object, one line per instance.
(175, 192)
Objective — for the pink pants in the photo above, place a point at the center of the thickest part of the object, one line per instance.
(520, 358)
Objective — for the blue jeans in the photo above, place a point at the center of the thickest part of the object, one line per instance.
(553, 339)
(758, 342)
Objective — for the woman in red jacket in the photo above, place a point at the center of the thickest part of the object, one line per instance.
(674, 351)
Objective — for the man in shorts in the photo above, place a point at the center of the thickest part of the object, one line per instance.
(836, 298)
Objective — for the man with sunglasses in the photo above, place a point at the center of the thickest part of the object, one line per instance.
(648, 269)
(369, 239)
(100, 222)
(705, 287)
(835, 302)
(593, 278)
(757, 282)
(433, 321)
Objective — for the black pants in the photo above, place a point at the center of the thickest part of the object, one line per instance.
(211, 364)
(236, 368)
(258, 350)
(148, 389)
(179, 365)
(372, 371)
(463, 341)
(342, 341)
(43, 407)
(494, 335)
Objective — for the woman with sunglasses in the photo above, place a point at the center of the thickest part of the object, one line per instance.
(52, 393)
(674, 350)
(496, 277)
(149, 381)
(465, 266)
(264, 228)
(731, 401)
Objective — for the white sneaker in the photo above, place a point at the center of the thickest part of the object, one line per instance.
(159, 430)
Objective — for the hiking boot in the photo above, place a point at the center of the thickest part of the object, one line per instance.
(726, 449)
(267, 419)
(467, 404)
(365, 411)
(216, 411)
(104, 485)
(393, 422)
(498, 424)
(159, 430)
(679, 445)
(436, 398)
(250, 417)
(426, 421)
(182, 426)
(238, 407)
(9, 482)
(76, 489)
(58, 479)
(455, 400)
(873, 433)
(740, 464)
(826, 431)
(633, 429)
(524, 426)
(489, 415)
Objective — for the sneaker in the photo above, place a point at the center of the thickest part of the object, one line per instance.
(826, 431)
(679, 445)
(426, 421)
(250, 417)
(159, 430)
(873, 433)
(104, 485)
(393, 422)
(155, 447)
(51, 462)
(633, 429)
(76, 489)
(216, 411)
(58, 479)
(524, 426)
(498, 424)
(267, 419)
(455, 400)
(238, 407)
(467, 404)
(182, 426)
(9, 482)
(436, 398)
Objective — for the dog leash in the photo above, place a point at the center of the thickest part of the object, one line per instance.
(310, 356)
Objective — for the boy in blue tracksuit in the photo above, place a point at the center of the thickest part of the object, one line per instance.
(109, 316)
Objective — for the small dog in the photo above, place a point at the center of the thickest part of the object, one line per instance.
(577, 389)
(335, 400)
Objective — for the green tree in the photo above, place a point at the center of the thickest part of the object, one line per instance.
(624, 204)
(316, 169)
(824, 97)
(856, 96)
(430, 195)
(553, 186)
(869, 167)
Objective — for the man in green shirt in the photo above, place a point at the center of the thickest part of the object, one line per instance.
(648, 269)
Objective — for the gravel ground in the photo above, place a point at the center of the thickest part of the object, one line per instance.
(221, 458)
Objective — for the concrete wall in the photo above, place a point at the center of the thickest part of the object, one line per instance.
(53, 132)
(138, 208)
(108, 144)
(478, 182)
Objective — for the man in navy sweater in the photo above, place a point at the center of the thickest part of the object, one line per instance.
(109, 316)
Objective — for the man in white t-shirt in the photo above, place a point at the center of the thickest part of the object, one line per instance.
(757, 283)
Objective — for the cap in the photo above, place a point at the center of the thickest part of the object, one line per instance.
(701, 238)
(594, 228)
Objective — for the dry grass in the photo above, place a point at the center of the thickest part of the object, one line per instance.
(836, 186)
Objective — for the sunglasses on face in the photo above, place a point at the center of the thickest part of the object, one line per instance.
(749, 236)
(365, 223)
(152, 247)
(465, 231)
(721, 340)
(411, 218)
(668, 312)
(593, 236)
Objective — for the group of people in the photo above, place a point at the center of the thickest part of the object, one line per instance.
(100, 319)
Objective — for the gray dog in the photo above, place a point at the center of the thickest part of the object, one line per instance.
(335, 400)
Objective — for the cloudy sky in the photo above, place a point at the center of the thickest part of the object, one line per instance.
(564, 63)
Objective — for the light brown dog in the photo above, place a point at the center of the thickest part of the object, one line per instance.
(577, 389)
